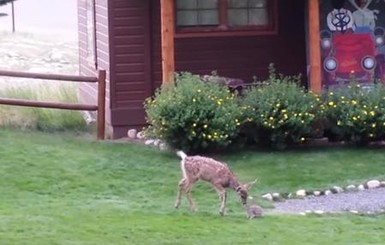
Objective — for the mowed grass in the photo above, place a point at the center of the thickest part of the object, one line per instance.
(66, 189)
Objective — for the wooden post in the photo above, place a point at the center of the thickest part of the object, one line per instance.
(101, 117)
(167, 32)
(314, 47)
(13, 17)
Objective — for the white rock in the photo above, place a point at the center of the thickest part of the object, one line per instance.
(131, 133)
(156, 142)
(276, 195)
(372, 184)
(338, 189)
(361, 187)
(382, 183)
(301, 193)
(268, 196)
(353, 211)
(302, 213)
(319, 212)
(351, 187)
(328, 192)
(308, 211)
(163, 146)
(316, 193)
(149, 142)
(140, 135)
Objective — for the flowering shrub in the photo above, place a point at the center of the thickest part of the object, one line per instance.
(356, 114)
(193, 115)
(280, 112)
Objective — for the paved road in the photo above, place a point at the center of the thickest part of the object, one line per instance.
(57, 17)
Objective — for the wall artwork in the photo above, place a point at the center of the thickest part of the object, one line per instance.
(352, 41)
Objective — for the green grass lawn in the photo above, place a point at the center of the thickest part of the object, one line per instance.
(63, 189)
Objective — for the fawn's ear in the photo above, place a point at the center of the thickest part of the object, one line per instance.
(250, 184)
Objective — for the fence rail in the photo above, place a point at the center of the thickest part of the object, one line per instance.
(100, 107)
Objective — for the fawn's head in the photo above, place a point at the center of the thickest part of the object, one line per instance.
(242, 191)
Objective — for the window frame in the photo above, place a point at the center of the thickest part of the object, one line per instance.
(224, 30)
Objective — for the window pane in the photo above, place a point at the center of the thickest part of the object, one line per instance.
(237, 3)
(258, 17)
(187, 18)
(258, 3)
(207, 4)
(208, 17)
(186, 4)
(237, 17)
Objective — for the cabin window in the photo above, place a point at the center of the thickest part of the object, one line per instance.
(218, 17)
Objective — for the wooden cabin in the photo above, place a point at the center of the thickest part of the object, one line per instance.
(142, 42)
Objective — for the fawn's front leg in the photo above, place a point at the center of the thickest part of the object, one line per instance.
(187, 186)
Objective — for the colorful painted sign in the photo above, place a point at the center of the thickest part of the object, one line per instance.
(352, 41)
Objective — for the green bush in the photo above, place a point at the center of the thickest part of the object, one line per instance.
(280, 112)
(193, 115)
(356, 114)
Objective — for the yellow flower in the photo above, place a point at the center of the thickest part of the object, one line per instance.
(354, 102)
(354, 118)
(194, 125)
(331, 103)
(194, 99)
(205, 126)
(372, 113)
(302, 139)
(373, 125)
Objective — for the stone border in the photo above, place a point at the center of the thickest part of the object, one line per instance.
(134, 134)
(302, 193)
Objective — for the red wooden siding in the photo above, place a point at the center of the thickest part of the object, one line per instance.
(88, 92)
(130, 63)
(128, 47)
(241, 56)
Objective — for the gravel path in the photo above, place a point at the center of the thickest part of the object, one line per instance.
(367, 201)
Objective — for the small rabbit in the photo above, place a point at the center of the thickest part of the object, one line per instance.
(253, 210)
